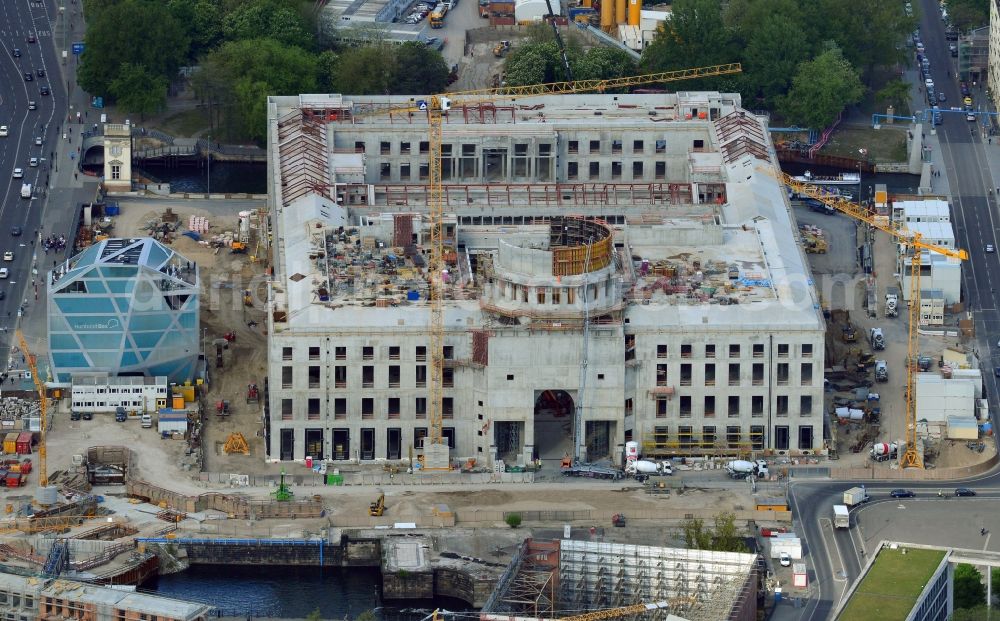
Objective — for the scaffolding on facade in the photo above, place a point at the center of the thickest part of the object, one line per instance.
(567, 577)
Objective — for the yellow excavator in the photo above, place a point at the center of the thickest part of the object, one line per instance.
(377, 508)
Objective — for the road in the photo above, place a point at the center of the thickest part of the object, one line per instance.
(838, 556)
(21, 19)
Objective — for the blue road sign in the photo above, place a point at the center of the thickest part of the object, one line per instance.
(422, 104)
(78, 48)
(97, 102)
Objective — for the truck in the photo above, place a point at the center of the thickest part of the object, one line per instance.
(819, 206)
(877, 339)
(883, 451)
(437, 17)
(643, 468)
(741, 468)
(856, 496)
(841, 518)
(881, 371)
(592, 471)
(484, 8)
(891, 301)
(25, 190)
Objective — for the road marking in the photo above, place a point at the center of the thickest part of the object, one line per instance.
(987, 544)
(840, 576)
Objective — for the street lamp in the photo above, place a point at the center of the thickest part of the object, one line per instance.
(208, 155)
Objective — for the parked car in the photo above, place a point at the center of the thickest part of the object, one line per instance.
(785, 559)
(964, 491)
(941, 97)
(74, 415)
(902, 493)
(88, 416)
(990, 248)
(3, 131)
(15, 231)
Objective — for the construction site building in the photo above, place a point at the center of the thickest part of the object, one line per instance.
(102, 393)
(124, 307)
(619, 267)
(551, 579)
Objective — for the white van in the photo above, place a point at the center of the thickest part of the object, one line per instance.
(25, 190)
(147, 421)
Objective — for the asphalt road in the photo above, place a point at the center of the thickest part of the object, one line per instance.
(839, 555)
(18, 20)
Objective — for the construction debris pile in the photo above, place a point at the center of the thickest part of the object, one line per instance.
(14, 409)
(365, 269)
(813, 239)
(696, 282)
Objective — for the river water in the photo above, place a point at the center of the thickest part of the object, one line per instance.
(292, 592)
(227, 177)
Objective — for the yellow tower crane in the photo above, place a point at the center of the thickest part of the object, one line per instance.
(436, 108)
(43, 473)
(911, 458)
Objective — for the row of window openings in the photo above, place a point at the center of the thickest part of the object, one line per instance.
(782, 374)
(594, 170)
(128, 391)
(685, 408)
(368, 353)
(393, 408)
(93, 404)
(368, 376)
(734, 436)
(521, 149)
(687, 351)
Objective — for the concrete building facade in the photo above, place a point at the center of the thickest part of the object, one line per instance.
(124, 307)
(993, 51)
(619, 267)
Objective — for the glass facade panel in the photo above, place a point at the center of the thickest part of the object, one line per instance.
(161, 340)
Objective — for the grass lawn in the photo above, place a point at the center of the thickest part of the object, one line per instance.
(891, 587)
(887, 144)
(183, 124)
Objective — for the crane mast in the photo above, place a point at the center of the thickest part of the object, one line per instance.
(43, 473)
(911, 457)
(436, 452)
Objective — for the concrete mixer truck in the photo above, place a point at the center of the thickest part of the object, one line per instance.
(883, 451)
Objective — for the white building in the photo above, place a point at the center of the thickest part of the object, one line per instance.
(930, 210)
(937, 272)
(100, 392)
(938, 398)
(650, 23)
(639, 233)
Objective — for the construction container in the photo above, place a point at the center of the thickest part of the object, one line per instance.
(186, 391)
(24, 441)
(14, 479)
(178, 402)
(10, 443)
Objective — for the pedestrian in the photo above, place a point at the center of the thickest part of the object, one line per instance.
(75, 176)
(982, 531)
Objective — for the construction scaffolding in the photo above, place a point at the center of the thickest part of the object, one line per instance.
(551, 579)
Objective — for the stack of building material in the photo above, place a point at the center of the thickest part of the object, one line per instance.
(198, 224)
(14, 408)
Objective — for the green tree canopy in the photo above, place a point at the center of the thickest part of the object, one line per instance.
(773, 41)
(821, 89)
(139, 91)
(895, 93)
(141, 31)
(418, 69)
(727, 538)
(869, 32)
(969, 589)
(267, 19)
(539, 62)
(240, 75)
(694, 36)
(202, 21)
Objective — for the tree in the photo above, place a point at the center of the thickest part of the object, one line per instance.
(696, 536)
(971, 614)
(367, 615)
(238, 76)
(727, 538)
(367, 70)
(694, 36)
(603, 63)
(267, 19)
(419, 69)
(527, 64)
(513, 520)
(995, 580)
(773, 41)
(315, 615)
(895, 93)
(139, 91)
(968, 585)
(153, 39)
(202, 21)
(821, 89)
(871, 33)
